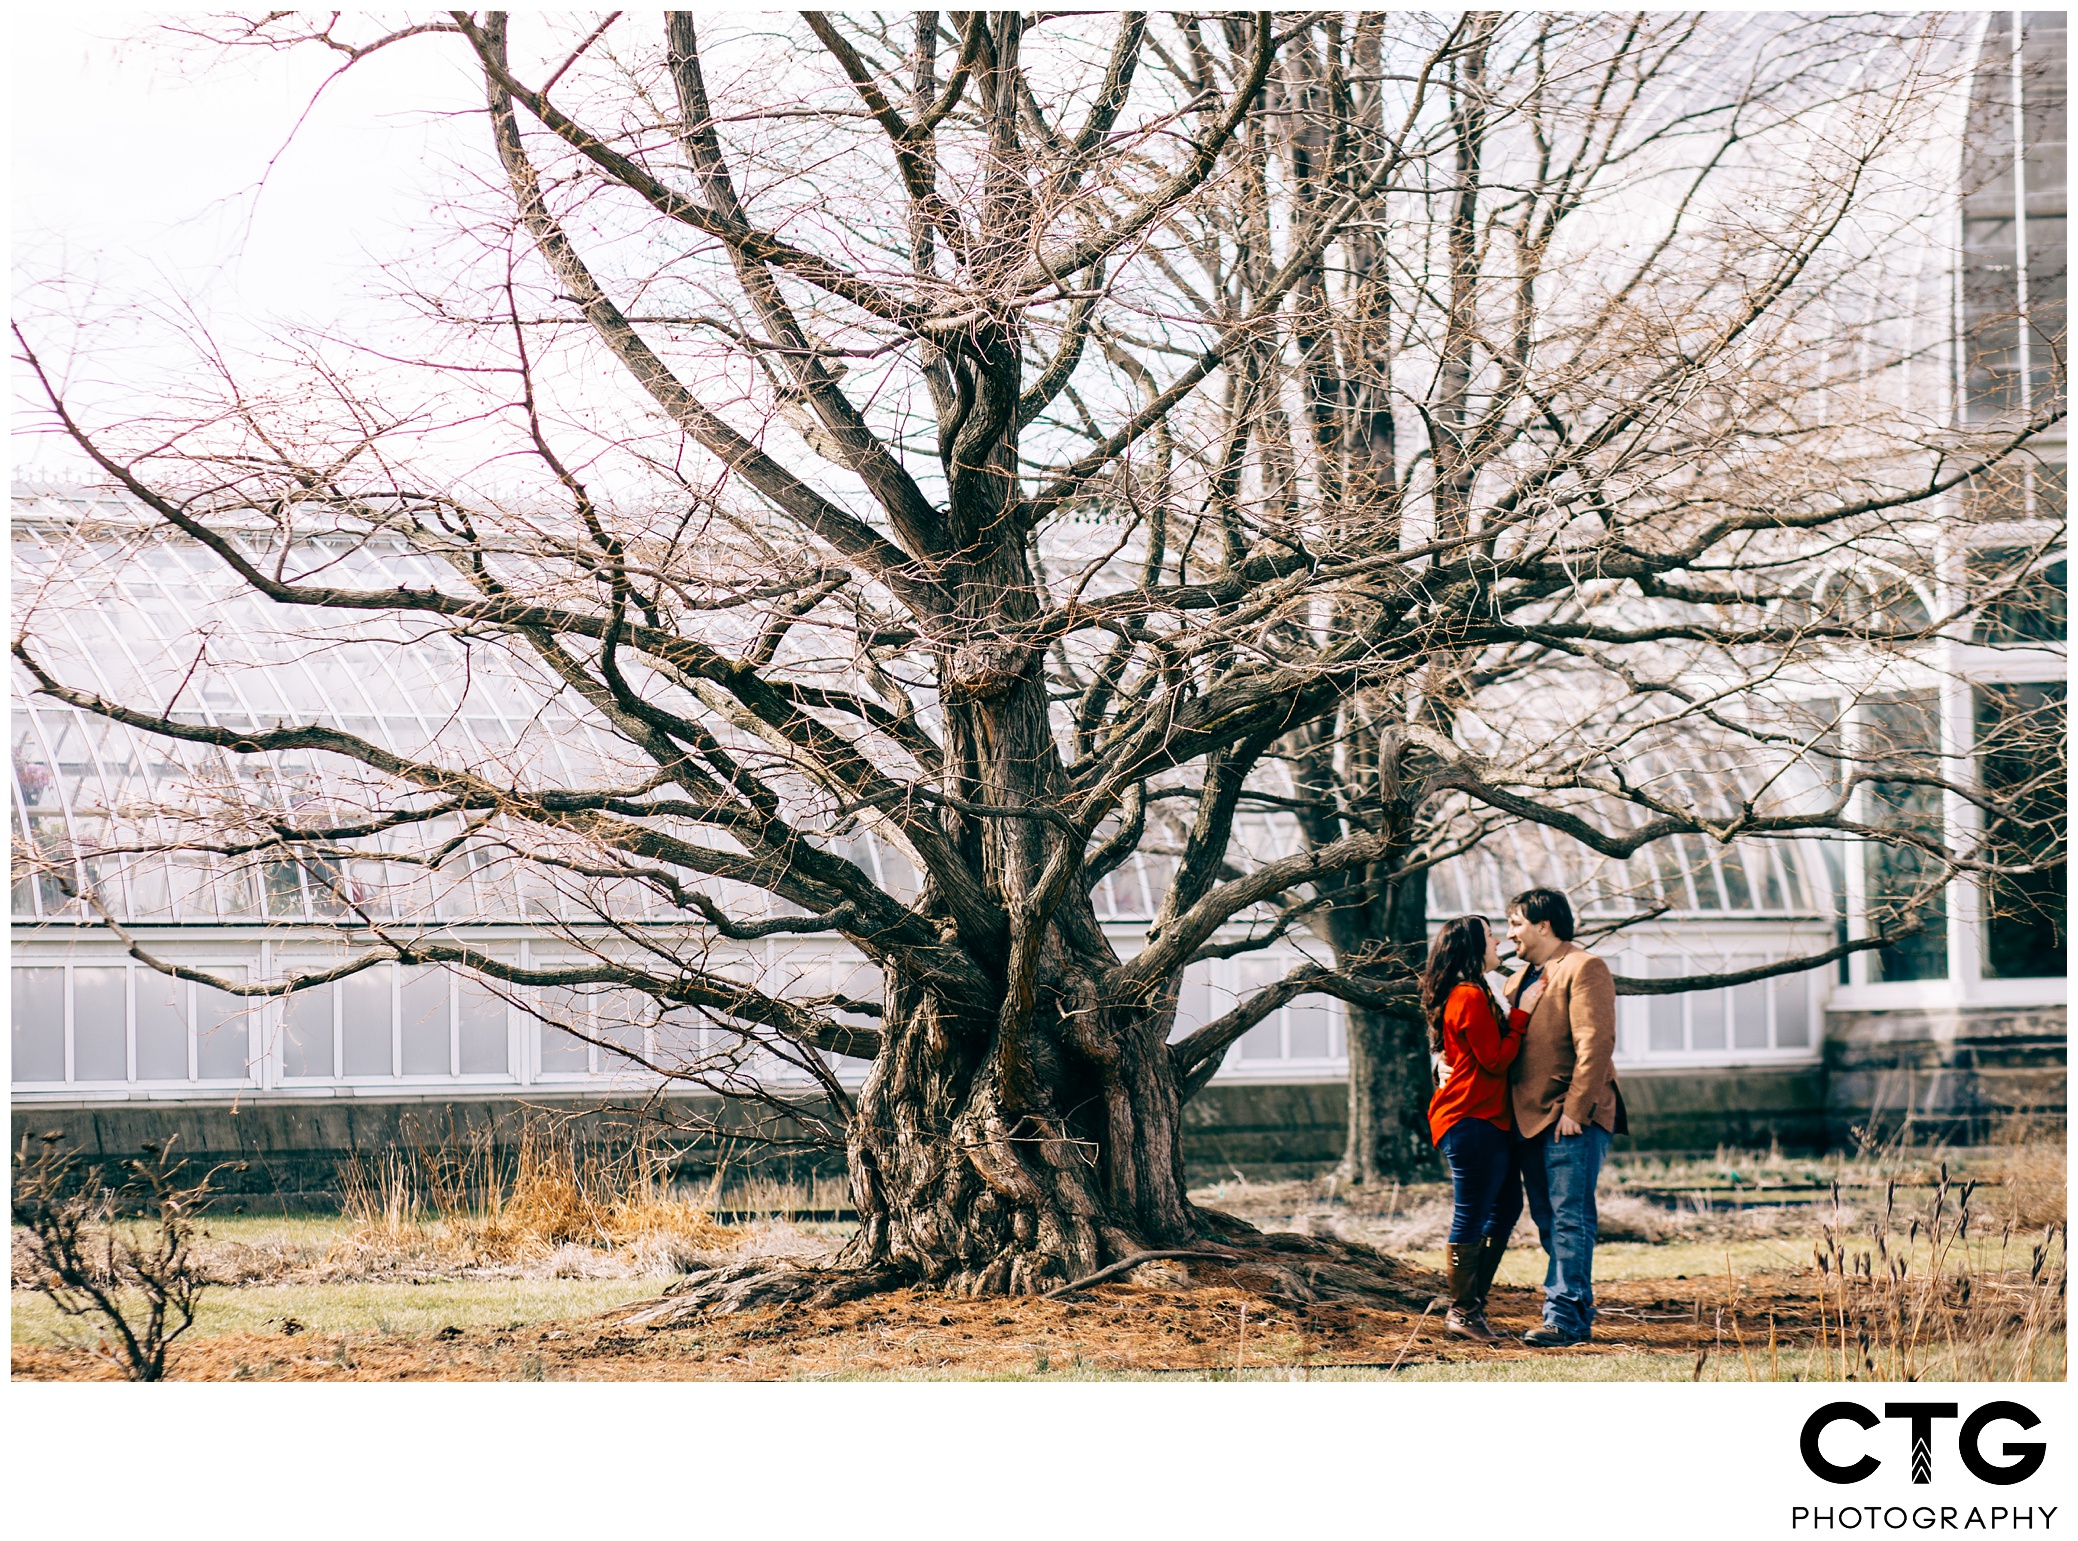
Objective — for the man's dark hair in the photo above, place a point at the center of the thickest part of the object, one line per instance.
(1540, 906)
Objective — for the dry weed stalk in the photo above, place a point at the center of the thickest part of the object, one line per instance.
(1924, 1300)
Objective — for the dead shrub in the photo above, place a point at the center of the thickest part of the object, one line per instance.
(122, 1258)
(1627, 1217)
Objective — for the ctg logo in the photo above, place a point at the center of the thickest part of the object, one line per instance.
(2023, 1459)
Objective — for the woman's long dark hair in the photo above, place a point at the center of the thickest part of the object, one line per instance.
(1456, 957)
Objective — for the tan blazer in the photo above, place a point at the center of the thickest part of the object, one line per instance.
(1566, 1064)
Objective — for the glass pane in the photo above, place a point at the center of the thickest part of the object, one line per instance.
(857, 982)
(562, 1053)
(100, 1024)
(1673, 882)
(1700, 876)
(681, 1038)
(306, 1033)
(1991, 310)
(1793, 1011)
(1791, 876)
(1835, 870)
(284, 890)
(365, 1022)
(1750, 1012)
(223, 1030)
(1306, 1023)
(38, 1036)
(1990, 297)
(1732, 865)
(1264, 1040)
(1706, 1019)
(162, 1026)
(480, 1016)
(1902, 880)
(1664, 1014)
(622, 1016)
(422, 1005)
(2024, 599)
(1194, 1000)
(2023, 761)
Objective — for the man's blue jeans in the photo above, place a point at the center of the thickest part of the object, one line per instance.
(1558, 1179)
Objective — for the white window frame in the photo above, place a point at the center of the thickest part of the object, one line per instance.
(1743, 948)
(1957, 667)
(129, 1086)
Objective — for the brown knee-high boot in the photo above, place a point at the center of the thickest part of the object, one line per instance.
(1486, 1262)
(1464, 1319)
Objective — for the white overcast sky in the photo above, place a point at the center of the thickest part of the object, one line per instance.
(142, 169)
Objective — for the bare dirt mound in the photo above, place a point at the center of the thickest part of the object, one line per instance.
(1193, 1325)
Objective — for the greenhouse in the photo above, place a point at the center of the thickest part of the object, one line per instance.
(92, 1024)
(1961, 1024)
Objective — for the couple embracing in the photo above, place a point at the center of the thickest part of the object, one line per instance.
(1526, 1105)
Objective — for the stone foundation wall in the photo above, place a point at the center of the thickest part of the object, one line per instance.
(293, 1149)
(1749, 1107)
(1959, 1077)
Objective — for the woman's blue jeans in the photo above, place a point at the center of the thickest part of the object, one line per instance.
(1485, 1185)
(1559, 1176)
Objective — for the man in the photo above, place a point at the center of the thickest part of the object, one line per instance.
(1566, 1103)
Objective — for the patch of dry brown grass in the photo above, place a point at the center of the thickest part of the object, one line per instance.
(2030, 1187)
(554, 1198)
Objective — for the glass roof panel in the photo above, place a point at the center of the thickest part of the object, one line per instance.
(153, 619)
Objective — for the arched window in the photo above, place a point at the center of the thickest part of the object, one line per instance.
(2014, 217)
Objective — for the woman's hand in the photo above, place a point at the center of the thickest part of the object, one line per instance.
(1530, 997)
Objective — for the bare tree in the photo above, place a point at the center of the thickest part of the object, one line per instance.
(1539, 309)
(980, 436)
(137, 1280)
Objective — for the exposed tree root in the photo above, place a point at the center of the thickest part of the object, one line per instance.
(1300, 1269)
(1133, 1260)
(746, 1286)
(1308, 1269)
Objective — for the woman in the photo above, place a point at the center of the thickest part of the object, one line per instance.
(1468, 1116)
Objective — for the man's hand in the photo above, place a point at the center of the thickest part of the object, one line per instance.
(1567, 1128)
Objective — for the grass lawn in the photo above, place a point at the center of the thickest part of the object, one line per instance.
(1557, 1367)
(313, 1230)
(1523, 1267)
(376, 1310)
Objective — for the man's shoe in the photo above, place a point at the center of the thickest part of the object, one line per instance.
(1549, 1336)
(1469, 1324)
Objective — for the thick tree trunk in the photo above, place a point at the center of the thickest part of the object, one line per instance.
(958, 1192)
(1389, 1090)
(963, 1181)
(1389, 1077)
(974, 1181)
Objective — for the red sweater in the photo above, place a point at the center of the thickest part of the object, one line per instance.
(1477, 1052)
